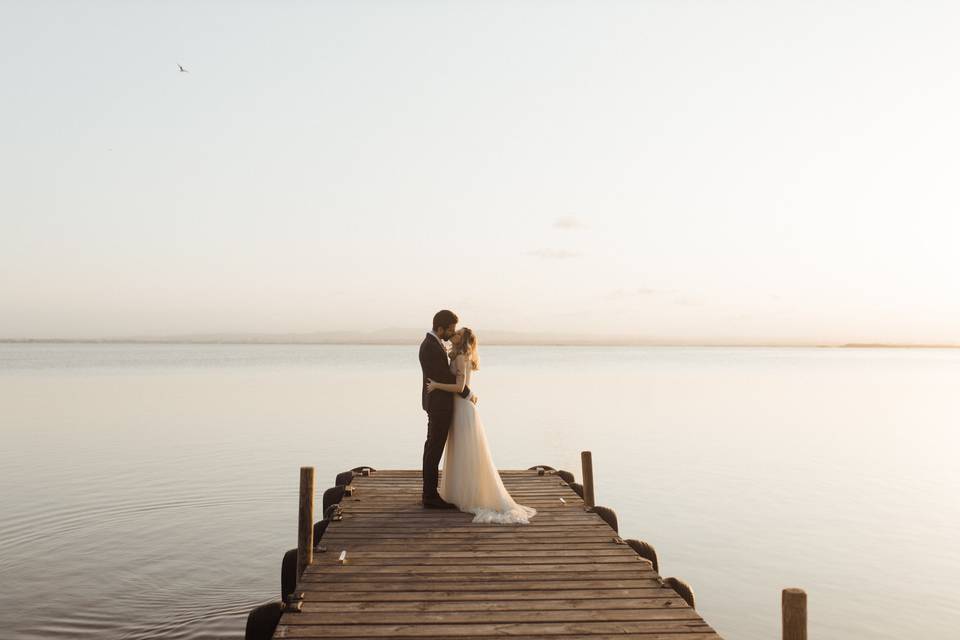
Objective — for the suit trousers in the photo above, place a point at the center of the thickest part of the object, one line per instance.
(438, 426)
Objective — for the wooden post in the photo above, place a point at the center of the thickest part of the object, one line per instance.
(305, 528)
(586, 459)
(794, 605)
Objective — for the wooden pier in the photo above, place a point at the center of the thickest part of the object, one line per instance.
(385, 567)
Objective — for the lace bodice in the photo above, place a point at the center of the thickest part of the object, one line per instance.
(466, 366)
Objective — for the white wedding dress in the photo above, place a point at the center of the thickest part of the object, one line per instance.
(470, 479)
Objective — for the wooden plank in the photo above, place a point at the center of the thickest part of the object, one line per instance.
(479, 546)
(491, 604)
(448, 563)
(333, 630)
(504, 532)
(414, 524)
(414, 513)
(600, 636)
(499, 617)
(576, 582)
(453, 541)
(479, 579)
(544, 562)
(633, 565)
(426, 554)
(345, 595)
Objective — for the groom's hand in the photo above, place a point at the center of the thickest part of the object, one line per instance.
(474, 398)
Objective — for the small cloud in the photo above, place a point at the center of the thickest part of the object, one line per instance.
(632, 293)
(662, 295)
(686, 301)
(553, 254)
(569, 222)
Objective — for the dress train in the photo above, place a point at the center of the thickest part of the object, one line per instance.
(470, 479)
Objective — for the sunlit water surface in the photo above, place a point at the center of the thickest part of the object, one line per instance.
(150, 490)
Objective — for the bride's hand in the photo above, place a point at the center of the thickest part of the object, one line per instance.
(431, 385)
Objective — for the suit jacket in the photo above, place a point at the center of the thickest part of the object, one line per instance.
(435, 365)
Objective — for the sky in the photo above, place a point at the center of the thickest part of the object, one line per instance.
(714, 171)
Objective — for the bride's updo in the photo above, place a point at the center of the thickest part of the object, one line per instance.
(468, 347)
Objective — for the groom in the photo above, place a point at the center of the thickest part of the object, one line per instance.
(435, 365)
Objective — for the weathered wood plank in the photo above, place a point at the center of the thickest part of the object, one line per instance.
(479, 546)
(357, 542)
(498, 617)
(601, 636)
(344, 594)
(444, 564)
(635, 565)
(478, 578)
(489, 604)
(507, 532)
(574, 582)
(426, 555)
(333, 630)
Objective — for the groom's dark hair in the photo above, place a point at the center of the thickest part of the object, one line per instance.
(444, 319)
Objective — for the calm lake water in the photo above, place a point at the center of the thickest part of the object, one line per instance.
(151, 490)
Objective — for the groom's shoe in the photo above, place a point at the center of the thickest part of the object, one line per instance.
(436, 502)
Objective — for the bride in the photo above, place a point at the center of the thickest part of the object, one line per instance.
(470, 479)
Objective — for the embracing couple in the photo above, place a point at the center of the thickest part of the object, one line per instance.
(470, 480)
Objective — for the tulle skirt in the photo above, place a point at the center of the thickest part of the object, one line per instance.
(470, 479)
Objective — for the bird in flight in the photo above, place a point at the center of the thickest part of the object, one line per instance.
(182, 70)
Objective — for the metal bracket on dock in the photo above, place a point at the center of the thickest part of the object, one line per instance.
(294, 603)
(543, 470)
(363, 471)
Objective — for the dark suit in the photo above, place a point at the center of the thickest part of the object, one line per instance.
(439, 407)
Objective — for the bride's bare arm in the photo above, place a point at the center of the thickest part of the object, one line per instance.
(456, 387)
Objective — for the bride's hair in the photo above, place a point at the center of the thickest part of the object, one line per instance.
(469, 347)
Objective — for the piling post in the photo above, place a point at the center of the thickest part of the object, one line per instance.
(794, 606)
(305, 528)
(586, 459)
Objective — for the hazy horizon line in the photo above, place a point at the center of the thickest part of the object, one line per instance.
(397, 337)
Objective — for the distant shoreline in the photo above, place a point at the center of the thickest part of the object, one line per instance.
(498, 343)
